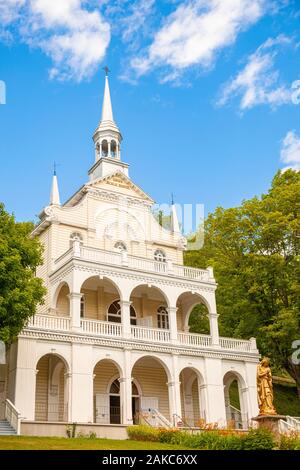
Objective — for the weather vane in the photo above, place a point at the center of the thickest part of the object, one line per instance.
(106, 70)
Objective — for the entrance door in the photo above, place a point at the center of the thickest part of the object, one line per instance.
(114, 409)
(147, 405)
(102, 408)
(135, 410)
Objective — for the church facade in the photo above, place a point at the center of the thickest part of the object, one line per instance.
(111, 345)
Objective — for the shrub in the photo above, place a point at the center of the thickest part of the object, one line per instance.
(143, 433)
(259, 439)
(170, 436)
(289, 442)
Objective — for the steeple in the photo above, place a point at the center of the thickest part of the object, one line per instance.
(107, 113)
(107, 139)
(54, 195)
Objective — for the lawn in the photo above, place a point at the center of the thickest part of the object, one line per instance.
(61, 443)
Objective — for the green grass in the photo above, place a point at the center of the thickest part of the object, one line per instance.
(61, 443)
(285, 399)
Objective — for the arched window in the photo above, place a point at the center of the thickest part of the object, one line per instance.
(113, 148)
(104, 146)
(159, 255)
(82, 306)
(115, 387)
(120, 247)
(114, 313)
(162, 318)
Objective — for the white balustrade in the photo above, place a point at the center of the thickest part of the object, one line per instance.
(101, 328)
(50, 322)
(13, 416)
(134, 262)
(235, 344)
(156, 335)
(190, 339)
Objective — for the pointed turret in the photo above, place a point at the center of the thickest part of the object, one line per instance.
(107, 139)
(175, 228)
(107, 113)
(54, 195)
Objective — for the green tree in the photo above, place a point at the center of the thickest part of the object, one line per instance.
(254, 250)
(20, 290)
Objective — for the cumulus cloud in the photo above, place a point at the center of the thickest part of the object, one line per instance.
(74, 35)
(258, 82)
(290, 151)
(196, 31)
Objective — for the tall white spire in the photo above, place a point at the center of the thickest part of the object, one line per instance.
(54, 196)
(107, 113)
(107, 140)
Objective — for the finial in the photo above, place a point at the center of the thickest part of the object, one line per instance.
(172, 199)
(54, 168)
(106, 70)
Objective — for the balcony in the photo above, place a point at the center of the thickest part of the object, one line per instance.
(139, 334)
(110, 258)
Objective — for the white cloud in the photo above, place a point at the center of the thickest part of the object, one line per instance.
(290, 151)
(73, 34)
(9, 10)
(258, 82)
(137, 17)
(196, 31)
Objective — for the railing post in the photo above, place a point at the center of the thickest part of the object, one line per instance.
(75, 298)
(173, 324)
(170, 266)
(76, 247)
(253, 346)
(125, 316)
(214, 329)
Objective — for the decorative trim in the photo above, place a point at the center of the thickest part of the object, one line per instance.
(120, 343)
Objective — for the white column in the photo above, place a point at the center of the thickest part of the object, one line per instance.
(214, 391)
(109, 149)
(75, 298)
(174, 392)
(126, 390)
(214, 329)
(25, 379)
(125, 314)
(81, 396)
(173, 324)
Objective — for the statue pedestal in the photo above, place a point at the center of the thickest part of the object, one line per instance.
(270, 422)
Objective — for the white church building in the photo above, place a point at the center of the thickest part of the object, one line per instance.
(111, 346)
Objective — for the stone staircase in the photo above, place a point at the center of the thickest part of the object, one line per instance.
(6, 429)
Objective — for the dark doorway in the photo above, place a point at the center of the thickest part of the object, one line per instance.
(114, 408)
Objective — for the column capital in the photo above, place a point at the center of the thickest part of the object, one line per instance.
(213, 314)
(173, 383)
(125, 303)
(75, 295)
(172, 309)
(124, 379)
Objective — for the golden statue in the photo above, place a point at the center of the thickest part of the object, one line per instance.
(265, 388)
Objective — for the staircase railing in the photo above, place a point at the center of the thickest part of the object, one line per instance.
(159, 419)
(291, 424)
(13, 416)
(179, 419)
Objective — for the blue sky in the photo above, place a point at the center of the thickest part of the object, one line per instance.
(206, 94)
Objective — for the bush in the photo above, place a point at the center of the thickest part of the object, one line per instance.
(170, 436)
(143, 433)
(289, 442)
(259, 439)
(255, 439)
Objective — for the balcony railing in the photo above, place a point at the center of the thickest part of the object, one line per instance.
(138, 333)
(193, 339)
(112, 258)
(156, 335)
(50, 322)
(101, 328)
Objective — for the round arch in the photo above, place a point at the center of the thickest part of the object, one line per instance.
(113, 361)
(55, 354)
(57, 292)
(193, 396)
(158, 359)
(150, 288)
(234, 415)
(188, 300)
(102, 280)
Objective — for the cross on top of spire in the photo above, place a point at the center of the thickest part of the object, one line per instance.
(106, 70)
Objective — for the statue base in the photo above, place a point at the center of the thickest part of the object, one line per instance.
(270, 422)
